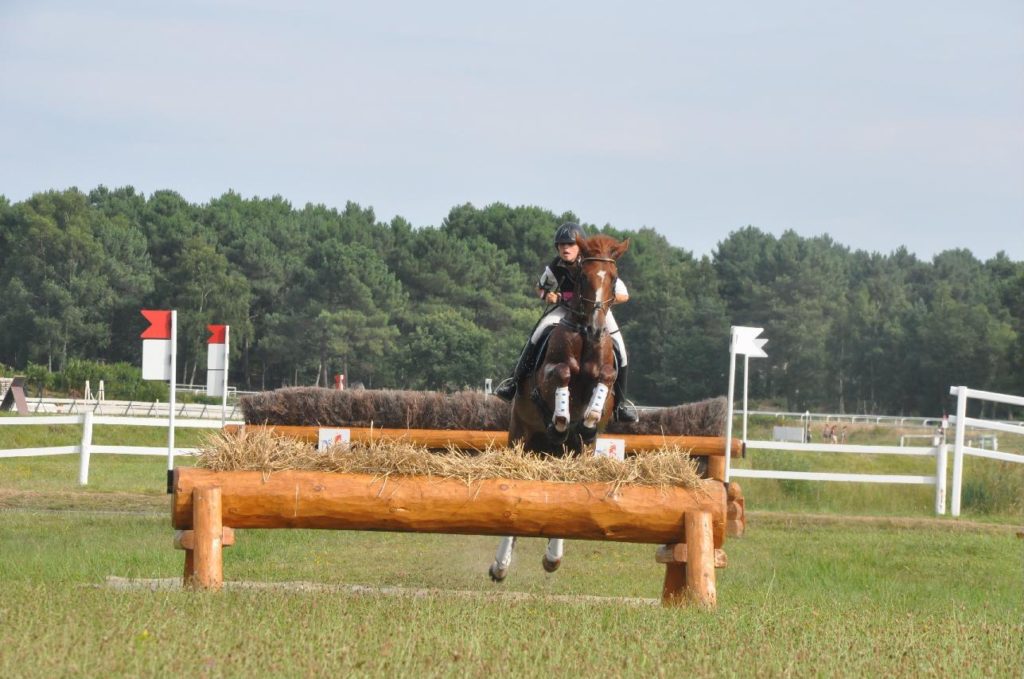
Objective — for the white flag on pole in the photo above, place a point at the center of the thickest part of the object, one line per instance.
(745, 341)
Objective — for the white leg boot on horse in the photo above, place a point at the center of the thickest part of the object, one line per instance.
(560, 418)
(502, 559)
(553, 555)
(596, 407)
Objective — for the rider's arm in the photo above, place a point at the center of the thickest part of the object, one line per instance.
(621, 294)
(547, 286)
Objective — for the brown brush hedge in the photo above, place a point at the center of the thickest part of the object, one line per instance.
(397, 409)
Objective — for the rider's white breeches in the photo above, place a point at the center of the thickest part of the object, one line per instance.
(559, 312)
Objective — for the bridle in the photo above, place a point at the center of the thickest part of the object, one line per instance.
(598, 304)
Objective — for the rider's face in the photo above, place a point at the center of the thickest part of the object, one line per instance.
(568, 252)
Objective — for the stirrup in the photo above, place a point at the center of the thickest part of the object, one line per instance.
(506, 389)
(626, 412)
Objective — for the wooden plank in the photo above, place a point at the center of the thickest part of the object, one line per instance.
(699, 446)
(676, 553)
(185, 539)
(305, 499)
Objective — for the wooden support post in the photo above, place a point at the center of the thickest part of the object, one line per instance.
(673, 591)
(186, 540)
(207, 552)
(690, 566)
(700, 559)
(736, 511)
(190, 567)
(716, 468)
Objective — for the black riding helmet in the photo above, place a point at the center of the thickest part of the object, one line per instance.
(567, 233)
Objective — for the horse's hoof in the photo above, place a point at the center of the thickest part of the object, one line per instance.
(561, 424)
(498, 574)
(588, 434)
(550, 566)
(557, 436)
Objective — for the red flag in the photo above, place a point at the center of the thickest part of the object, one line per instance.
(217, 334)
(159, 324)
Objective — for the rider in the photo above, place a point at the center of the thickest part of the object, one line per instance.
(557, 286)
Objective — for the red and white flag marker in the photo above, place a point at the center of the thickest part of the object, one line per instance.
(217, 348)
(160, 362)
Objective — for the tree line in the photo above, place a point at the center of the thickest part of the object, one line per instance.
(314, 291)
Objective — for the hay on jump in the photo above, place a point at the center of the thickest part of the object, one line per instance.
(260, 450)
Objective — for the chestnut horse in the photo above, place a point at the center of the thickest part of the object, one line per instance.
(561, 405)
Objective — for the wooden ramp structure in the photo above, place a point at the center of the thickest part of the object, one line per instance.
(689, 524)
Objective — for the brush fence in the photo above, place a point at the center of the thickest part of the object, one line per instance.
(689, 524)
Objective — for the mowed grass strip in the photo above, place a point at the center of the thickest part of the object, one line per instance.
(797, 599)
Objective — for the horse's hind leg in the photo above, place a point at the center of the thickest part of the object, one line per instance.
(553, 555)
(502, 559)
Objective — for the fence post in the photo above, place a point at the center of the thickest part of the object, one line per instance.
(941, 451)
(85, 449)
(958, 449)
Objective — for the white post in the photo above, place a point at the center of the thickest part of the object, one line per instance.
(172, 399)
(940, 476)
(729, 407)
(224, 396)
(746, 382)
(958, 449)
(86, 448)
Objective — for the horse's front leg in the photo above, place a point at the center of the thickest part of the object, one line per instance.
(558, 375)
(553, 555)
(599, 397)
(502, 559)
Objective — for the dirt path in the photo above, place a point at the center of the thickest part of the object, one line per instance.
(162, 584)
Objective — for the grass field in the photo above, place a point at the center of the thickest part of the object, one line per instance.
(808, 592)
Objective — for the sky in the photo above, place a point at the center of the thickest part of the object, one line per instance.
(882, 124)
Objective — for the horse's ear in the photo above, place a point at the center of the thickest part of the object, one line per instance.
(620, 249)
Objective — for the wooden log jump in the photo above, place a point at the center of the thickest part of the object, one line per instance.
(670, 516)
(468, 439)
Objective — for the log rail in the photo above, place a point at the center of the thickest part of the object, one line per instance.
(471, 439)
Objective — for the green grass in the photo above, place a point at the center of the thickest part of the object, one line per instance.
(802, 595)
(796, 599)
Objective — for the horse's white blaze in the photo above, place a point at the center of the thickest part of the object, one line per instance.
(560, 418)
(602, 274)
(596, 406)
(503, 557)
(555, 550)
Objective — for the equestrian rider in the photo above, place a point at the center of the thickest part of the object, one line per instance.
(557, 286)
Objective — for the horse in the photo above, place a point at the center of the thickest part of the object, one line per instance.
(562, 404)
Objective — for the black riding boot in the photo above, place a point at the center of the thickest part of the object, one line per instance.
(623, 412)
(507, 389)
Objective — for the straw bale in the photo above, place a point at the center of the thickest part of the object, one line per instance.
(259, 450)
(398, 409)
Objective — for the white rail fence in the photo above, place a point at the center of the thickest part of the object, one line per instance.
(937, 451)
(131, 408)
(86, 448)
(962, 422)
